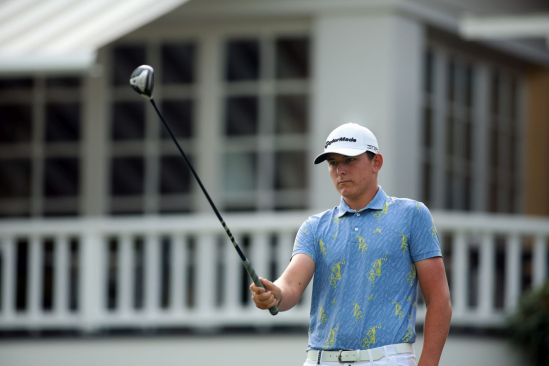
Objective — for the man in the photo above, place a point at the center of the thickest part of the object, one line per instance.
(367, 256)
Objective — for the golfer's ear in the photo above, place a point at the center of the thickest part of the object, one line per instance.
(378, 162)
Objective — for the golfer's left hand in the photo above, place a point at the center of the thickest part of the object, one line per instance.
(265, 298)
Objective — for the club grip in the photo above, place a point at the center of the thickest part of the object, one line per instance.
(251, 271)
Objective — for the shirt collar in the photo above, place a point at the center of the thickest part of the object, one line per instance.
(376, 204)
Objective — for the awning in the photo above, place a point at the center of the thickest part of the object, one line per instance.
(64, 35)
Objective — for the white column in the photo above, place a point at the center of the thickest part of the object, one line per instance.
(367, 69)
(208, 125)
(481, 107)
(512, 272)
(61, 276)
(487, 284)
(540, 260)
(460, 269)
(439, 128)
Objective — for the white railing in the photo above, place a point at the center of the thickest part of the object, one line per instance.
(154, 272)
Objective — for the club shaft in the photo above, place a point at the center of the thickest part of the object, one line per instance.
(245, 262)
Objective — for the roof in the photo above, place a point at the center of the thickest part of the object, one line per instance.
(64, 35)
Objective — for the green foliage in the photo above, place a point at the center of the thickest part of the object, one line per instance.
(529, 326)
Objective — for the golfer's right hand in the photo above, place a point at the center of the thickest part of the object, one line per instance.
(265, 298)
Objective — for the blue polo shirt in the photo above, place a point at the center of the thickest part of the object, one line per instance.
(365, 281)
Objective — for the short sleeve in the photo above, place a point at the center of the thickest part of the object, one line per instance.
(424, 240)
(305, 241)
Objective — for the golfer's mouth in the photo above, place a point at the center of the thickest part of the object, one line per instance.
(344, 181)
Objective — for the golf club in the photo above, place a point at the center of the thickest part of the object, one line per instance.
(142, 81)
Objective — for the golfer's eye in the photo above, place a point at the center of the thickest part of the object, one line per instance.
(350, 160)
(332, 163)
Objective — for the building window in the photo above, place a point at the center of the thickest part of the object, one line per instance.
(147, 173)
(265, 122)
(471, 132)
(40, 135)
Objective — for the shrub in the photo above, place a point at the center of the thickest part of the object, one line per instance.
(528, 327)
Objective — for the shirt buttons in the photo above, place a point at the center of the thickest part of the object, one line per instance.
(358, 214)
(356, 229)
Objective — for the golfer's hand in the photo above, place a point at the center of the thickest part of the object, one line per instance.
(265, 298)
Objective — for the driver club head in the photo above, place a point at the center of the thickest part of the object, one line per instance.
(142, 81)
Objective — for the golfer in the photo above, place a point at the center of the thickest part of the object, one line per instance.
(367, 256)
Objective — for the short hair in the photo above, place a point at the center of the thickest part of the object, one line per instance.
(370, 155)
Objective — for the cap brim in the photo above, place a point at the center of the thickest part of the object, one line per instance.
(347, 152)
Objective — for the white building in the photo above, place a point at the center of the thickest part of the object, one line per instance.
(104, 228)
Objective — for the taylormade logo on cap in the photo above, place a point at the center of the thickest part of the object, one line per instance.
(349, 139)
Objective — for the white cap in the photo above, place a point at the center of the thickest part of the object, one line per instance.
(349, 139)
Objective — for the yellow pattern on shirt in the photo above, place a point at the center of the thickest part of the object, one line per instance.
(322, 247)
(404, 243)
(409, 332)
(412, 275)
(322, 316)
(336, 273)
(383, 211)
(357, 313)
(362, 245)
(371, 297)
(331, 338)
(376, 269)
(433, 229)
(370, 338)
(398, 310)
(378, 230)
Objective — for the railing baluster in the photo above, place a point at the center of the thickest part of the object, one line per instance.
(93, 268)
(205, 268)
(35, 275)
(152, 274)
(540, 260)
(512, 272)
(126, 279)
(487, 284)
(459, 273)
(61, 275)
(8, 277)
(232, 270)
(178, 280)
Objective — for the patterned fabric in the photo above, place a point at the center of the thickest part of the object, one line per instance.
(365, 282)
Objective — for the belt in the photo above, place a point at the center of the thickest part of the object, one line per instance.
(345, 356)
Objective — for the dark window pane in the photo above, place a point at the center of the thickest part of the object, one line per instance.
(125, 60)
(128, 121)
(427, 127)
(61, 177)
(242, 62)
(469, 86)
(127, 176)
(64, 82)
(291, 170)
(15, 178)
(450, 135)
(240, 172)
(426, 183)
(451, 81)
(63, 122)
(292, 58)
(178, 63)
(428, 77)
(179, 115)
(494, 93)
(11, 84)
(175, 176)
(292, 114)
(241, 116)
(15, 123)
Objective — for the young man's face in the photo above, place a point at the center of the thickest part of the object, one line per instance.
(353, 176)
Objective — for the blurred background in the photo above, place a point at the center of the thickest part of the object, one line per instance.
(109, 252)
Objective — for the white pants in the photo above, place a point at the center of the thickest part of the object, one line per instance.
(401, 359)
